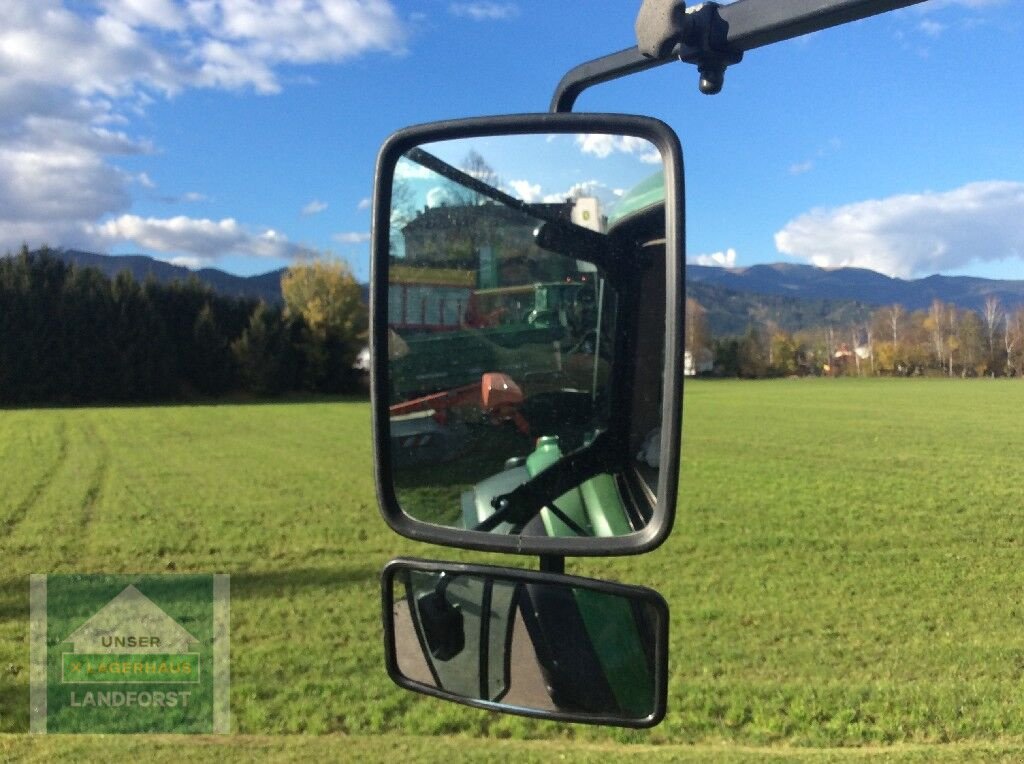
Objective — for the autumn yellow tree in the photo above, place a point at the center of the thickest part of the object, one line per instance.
(328, 299)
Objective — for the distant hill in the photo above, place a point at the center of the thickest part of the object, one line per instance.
(858, 285)
(265, 286)
(791, 295)
(729, 312)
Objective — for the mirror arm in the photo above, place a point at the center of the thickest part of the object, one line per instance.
(604, 69)
(712, 36)
(573, 525)
(608, 253)
(521, 504)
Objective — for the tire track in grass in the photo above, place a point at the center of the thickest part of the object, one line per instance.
(21, 510)
(97, 480)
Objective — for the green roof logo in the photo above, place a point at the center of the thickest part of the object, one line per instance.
(119, 653)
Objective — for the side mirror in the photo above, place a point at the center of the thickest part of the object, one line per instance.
(537, 644)
(526, 332)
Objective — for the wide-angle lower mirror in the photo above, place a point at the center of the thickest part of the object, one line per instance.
(524, 332)
(538, 644)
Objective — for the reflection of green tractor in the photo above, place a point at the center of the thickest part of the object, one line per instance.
(519, 330)
(561, 341)
(431, 363)
(569, 305)
(595, 506)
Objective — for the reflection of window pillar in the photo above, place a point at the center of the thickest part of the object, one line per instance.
(558, 355)
(488, 268)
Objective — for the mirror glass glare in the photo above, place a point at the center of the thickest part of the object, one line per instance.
(525, 310)
(550, 648)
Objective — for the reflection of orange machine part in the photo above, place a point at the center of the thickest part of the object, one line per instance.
(477, 317)
(497, 395)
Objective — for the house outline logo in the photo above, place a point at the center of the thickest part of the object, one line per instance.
(121, 653)
(131, 640)
(131, 622)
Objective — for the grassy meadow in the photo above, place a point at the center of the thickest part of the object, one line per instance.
(846, 572)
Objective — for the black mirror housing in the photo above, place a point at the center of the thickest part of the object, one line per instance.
(598, 439)
(544, 645)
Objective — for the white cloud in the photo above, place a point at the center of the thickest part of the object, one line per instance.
(364, 204)
(913, 234)
(528, 192)
(352, 237)
(69, 71)
(831, 146)
(955, 14)
(606, 196)
(584, 188)
(439, 196)
(203, 238)
(934, 5)
(602, 146)
(189, 197)
(240, 42)
(40, 183)
(160, 14)
(484, 11)
(191, 262)
(726, 259)
(408, 170)
(314, 207)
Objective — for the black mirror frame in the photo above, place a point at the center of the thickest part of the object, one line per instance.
(666, 141)
(520, 575)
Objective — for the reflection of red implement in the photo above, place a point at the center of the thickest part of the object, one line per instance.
(497, 395)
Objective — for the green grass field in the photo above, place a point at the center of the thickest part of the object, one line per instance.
(846, 570)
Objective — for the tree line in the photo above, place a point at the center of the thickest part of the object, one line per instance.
(943, 340)
(71, 335)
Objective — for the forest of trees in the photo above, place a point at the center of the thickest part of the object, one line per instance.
(70, 335)
(942, 341)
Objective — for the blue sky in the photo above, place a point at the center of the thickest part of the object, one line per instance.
(242, 133)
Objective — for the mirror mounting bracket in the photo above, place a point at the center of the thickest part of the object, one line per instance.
(608, 253)
(666, 30)
(664, 25)
(713, 37)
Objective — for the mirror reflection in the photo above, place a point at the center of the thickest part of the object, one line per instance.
(549, 647)
(514, 333)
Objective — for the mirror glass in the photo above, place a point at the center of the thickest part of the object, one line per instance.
(516, 340)
(554, 648)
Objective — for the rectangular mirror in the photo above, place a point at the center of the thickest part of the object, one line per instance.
(525, 332)
(537, 644)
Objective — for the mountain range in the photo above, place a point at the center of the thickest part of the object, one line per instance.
(858, 284)
(265, 286)
(794, 296)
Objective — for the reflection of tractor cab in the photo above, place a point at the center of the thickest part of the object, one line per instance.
(603, 505)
